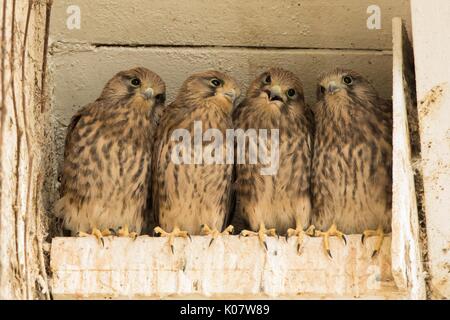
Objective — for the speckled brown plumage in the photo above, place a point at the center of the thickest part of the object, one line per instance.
(107, 155)
(352, 160)
(282, 200)
(186, 196)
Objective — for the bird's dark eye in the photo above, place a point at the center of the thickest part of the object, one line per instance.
(322, 89)
(291, 93)
(268, 79)
(215, 82)
(160, 97)
(135, 82)
(348, 80)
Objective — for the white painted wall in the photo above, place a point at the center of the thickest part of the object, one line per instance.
(431, 22)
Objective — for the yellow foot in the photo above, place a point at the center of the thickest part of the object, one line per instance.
(299, 233)
(372, 233)
(206, 230)
(261, 234)
(123, 232)
(96, 233)
(108, 232)
(333, 231)
(311, 231)
(176, 232)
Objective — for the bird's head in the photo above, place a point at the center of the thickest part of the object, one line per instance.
(344, 86)
(277, 88)
(138, 85)
(213, 86)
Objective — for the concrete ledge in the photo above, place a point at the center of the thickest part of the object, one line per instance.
(230, 268)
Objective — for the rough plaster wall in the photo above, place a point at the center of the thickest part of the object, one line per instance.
(322, 24)
(432, 56)
(23, 159)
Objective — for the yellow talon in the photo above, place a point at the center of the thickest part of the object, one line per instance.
(176, 232)
(82, 234)
(262, 232)
(95, 232)
(296, 232)
(332, 231)
(108, 232)
(124, 232)
(372, 233)
(206, 230)
(311, 231)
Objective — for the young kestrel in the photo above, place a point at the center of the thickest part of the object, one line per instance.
(106, 170)
(193, 197)
(281, 200)
(352, 162)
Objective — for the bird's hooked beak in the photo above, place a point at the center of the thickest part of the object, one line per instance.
(333, 87)
(230, 95)
(148, 93)
(275, 94)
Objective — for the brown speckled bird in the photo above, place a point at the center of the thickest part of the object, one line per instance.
(106, 170)
(280, 201)
(194, 198)
(352, 160)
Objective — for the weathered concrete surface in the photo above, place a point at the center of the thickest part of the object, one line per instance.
(432, 56)
(230, 268)
(285, 23)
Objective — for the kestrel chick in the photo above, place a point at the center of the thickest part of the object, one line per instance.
(352, 160)
(192, 195)
(280, 200)
(106, 170)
